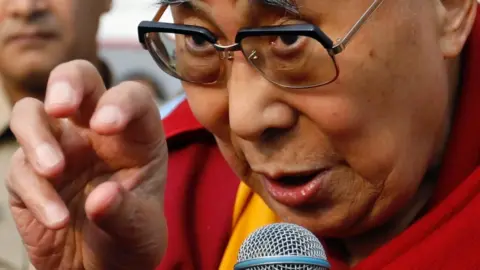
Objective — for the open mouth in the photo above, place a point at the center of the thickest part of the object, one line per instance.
(295, 190)
(296, 180)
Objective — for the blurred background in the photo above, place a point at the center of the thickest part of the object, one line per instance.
(119, 47)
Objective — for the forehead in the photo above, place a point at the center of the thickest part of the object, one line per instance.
(228, 14)
(312, 10)
(290, 5)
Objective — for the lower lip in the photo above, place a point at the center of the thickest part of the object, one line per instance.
(295, 196)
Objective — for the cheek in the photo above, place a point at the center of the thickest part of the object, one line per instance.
(334, 111)
(356, 129)
(65, 21)
(210, 107)
(381, 115)
(77, 21)
(65, 12)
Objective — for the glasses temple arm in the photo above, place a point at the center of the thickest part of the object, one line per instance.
(160, 12)
(342, 44)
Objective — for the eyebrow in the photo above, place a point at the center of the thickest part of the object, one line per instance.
(288, 5)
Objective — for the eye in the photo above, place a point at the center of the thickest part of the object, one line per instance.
(289, 39)
(197, 40)
(198, 45)
(288, 45)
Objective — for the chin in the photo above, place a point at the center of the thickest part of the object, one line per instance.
(45, 63)
(32, 71)
(335, 220)
(328, 225)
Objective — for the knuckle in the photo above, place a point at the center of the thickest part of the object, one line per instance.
(62, 68)
(136, 87)
(81, 63)
(26, 104)
(73, 68)
(84, 67)
(82, 75)
(138, 91)
(22, 110)
(132, 93)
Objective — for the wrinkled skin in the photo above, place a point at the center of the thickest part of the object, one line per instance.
(378, 128)
(94, 198)
(66, 217)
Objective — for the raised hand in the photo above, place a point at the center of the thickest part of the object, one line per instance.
(86, 186)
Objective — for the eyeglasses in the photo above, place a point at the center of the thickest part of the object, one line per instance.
(296, 56)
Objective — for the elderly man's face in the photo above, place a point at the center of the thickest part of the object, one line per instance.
(341, 158)
(37, 35)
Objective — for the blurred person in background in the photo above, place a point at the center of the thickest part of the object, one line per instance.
(36, 36)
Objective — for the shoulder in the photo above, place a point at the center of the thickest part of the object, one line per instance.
(193, 151)
(181, 127)
(200, 194)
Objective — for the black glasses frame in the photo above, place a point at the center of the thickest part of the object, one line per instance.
(308, 30)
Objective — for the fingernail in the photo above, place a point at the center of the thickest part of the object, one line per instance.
(109, 115)
(55, 214)
(47, 156)
(60, 93)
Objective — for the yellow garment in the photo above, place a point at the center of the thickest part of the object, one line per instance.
(250, 213)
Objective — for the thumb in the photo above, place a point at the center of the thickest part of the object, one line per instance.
(132, 222)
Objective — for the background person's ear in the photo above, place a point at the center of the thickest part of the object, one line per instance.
(456, 18)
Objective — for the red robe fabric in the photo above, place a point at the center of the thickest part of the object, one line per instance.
(201, 189)
(199, 197)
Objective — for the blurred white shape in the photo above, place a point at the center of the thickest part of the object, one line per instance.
(171, 105)
(167, 16)
(120, 24)
(121, 50)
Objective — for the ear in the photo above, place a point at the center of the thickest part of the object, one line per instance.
(456, 18)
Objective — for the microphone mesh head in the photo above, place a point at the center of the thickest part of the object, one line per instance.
(282, 239)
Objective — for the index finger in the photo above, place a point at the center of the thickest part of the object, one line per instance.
(73, 90)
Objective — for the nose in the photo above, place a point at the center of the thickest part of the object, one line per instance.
(25, 8)
(256, 106)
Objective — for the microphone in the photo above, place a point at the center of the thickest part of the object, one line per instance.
(282, 246)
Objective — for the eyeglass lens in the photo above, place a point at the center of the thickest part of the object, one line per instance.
(289, 60)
